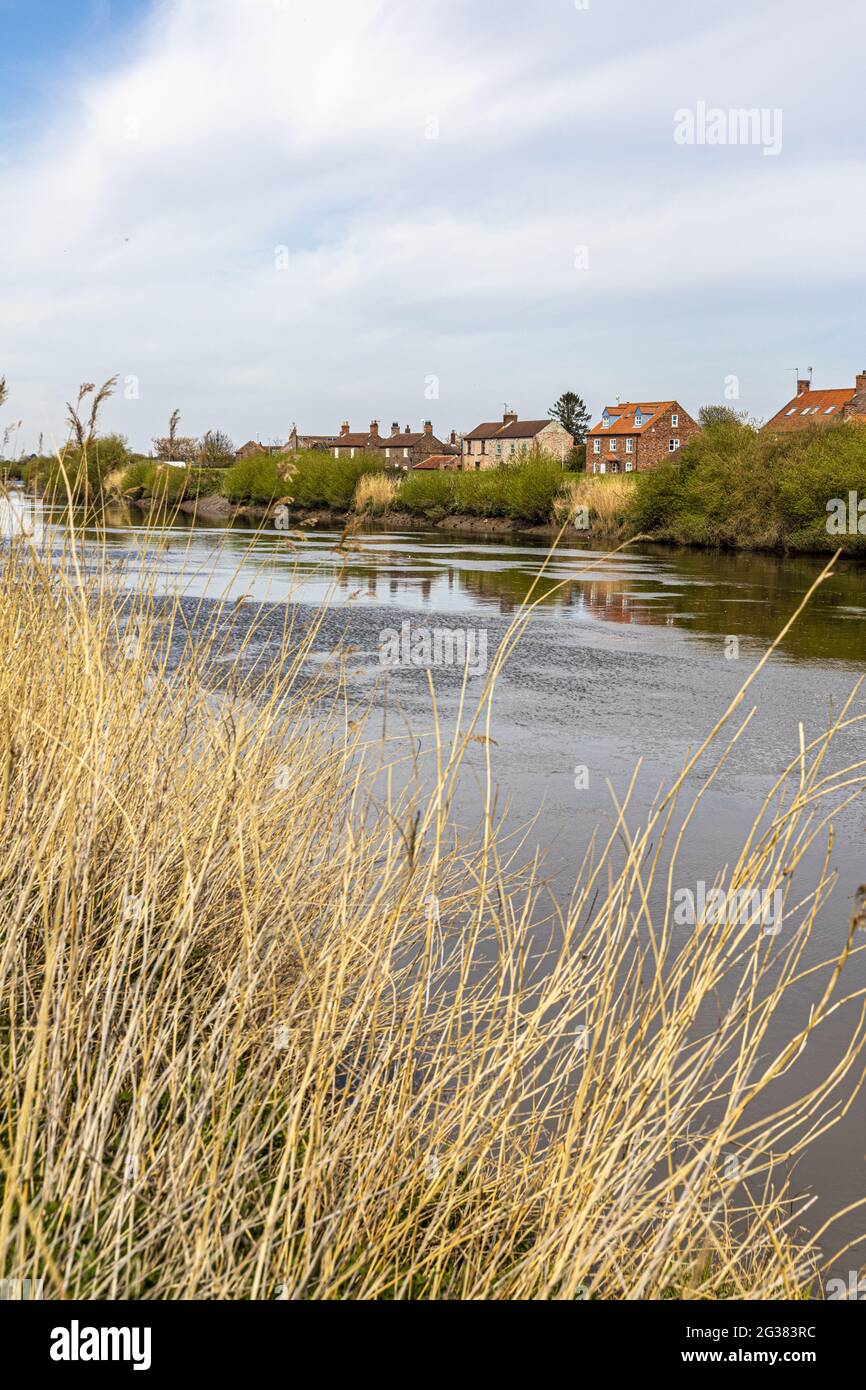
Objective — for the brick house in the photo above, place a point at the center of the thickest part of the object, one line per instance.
(637, 435)
(809, 408)
(401, 449)
(408, 448)
(254, 447)
(499, 442)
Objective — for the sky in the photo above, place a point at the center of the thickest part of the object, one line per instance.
(267, 212)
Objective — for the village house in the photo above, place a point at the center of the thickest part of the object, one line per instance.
(501, 441)
(408, 448)
(634, 436)
(810, 407)
(401, 449)
(255, 446)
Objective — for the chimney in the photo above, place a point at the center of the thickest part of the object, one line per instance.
(860, 381)
(453, 439)
(804, 383)
(344, 428)
(510, 417)
(395, 426)
(408, 429)
(428, 427)
(374, 428)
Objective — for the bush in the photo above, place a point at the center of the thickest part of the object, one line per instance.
(168, 484)
(522, 491)
(253, 479)
(320, 480)
(85, 469)
(735, 485)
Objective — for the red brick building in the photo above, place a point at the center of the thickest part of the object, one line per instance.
(809, 408)
(637, 435)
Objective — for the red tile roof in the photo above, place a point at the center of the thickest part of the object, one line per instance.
(434, 461)
(625, 416)
(821, 407)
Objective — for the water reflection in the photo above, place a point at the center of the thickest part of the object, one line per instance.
(700, 595)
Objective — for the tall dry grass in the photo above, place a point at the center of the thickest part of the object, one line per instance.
(606, 498)
(375, 493)
(272, 1028)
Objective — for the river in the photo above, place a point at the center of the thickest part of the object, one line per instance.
(628, 659)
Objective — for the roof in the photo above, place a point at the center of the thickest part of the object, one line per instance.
(818, 406)
(357, 441)
(625, 422)
(514, 429)
(434, 461)
(403, 441)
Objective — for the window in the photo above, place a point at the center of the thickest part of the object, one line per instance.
(596, 446)
(602, 467)
(829, 410)
(614, 468)
(629, 466)
(674, 444)
(499, 451)
(675, 422)
(605, 422)
(613, 446)
(405, 453)
(352, 455)
(336, 453)
(629, 446)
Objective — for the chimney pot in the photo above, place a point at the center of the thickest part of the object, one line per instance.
(428, 427)
(374, 428)
(408, 429)
(395, 426)
(344, 428)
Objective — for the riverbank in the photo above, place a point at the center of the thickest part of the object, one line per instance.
(733, 487)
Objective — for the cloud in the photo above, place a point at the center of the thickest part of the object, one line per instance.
(250, 216)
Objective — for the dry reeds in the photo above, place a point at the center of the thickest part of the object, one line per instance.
(375, 493)
(606, 500)
(272, 1029)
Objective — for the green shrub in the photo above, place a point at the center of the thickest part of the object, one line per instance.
(171, 485)
(737, 486)
(85, 469)
(253, 479)
(320, 480)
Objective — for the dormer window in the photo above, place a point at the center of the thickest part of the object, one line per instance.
(605, 422)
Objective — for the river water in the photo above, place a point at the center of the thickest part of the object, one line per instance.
(628, 659)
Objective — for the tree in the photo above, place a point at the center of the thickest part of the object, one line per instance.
(572, 414)
(216, 450)
(175, 448)
(718, 415)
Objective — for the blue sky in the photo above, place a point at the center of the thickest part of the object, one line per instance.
(267, 211)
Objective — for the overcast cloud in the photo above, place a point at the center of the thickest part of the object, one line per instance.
(269, 212)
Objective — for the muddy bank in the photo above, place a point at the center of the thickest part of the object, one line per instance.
(218, 508)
